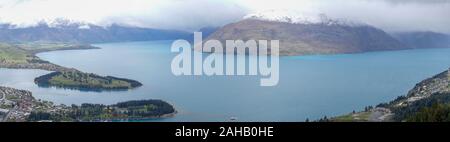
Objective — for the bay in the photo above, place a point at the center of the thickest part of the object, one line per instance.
(309, 87)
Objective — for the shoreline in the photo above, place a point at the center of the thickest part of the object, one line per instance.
(165, 116)
(30, 60)
(386, 112)
(39, 64)
(22, 106)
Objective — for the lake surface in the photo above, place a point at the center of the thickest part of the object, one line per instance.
(309, 87)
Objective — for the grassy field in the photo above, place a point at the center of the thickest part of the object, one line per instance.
(12, 54)
(35, 47)
(20, 53)
(353, 117)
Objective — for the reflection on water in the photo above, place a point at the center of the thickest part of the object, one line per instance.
(309, 87)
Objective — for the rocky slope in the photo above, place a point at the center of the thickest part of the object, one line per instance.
(424, 94)
(437, 84)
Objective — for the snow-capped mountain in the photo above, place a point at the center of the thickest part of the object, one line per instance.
(296, 17)
(302, 37)
(52, 23)
(64, 30)
(61, 23)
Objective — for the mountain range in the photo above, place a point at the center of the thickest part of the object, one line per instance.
(298, 35)
(424, 39)
(85, 33)
(314, 38)
(304, 34)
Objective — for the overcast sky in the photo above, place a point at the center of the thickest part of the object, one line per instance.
(189, 15)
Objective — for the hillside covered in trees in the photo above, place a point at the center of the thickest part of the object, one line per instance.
(130, 110)
(85, 81)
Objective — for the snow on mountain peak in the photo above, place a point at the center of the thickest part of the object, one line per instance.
(296, 17)
(62, 22)
(283, 16)
(52, 23)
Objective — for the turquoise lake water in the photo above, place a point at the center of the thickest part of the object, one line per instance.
(309, 86)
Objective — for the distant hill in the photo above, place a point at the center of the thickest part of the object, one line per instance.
(328, 37)
(85, 33)
(424, 39)
(207, 31)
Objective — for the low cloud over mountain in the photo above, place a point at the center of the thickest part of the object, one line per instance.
(191, 15)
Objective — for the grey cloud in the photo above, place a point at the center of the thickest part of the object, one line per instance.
(190, 15)
(415, 1)
(393, 15)
(187, 15)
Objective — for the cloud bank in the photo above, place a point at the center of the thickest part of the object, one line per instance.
(394, 15)
(189, 15)
(166, 14)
